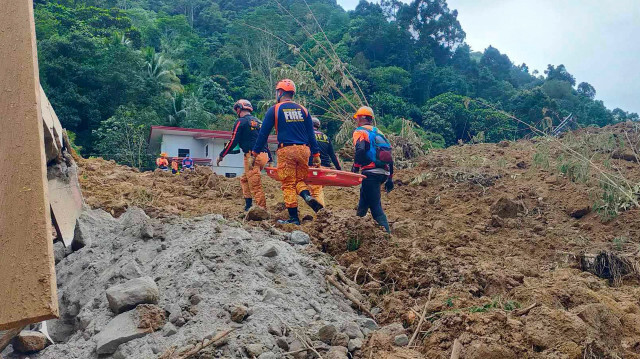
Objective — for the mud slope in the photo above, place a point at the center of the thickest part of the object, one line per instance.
(503, 233)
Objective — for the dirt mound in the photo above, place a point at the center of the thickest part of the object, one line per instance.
(211, 274)
(493, 229)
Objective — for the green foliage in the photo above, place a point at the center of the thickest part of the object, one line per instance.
(123, 137)
(353, 244)
(615, 199)
(185, 62)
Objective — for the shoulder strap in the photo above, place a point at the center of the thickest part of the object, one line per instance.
(275, 115)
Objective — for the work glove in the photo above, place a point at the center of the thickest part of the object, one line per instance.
(218, 161)
(388, 186)
(251, 160)
(355, 169)
(316, 161)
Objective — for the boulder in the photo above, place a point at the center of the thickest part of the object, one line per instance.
(506, 208)
(337, 353)
(369, 324)
(128, 295)
(401, 340)
(299, 237)
(254, 350)
(269, 251)
(129, 326)
(257, 213)
(29, 341)
(297, 346)
(88, 227)
(239, 313)
(326, 333)
(353, 331)
(340, 340)
(354, 344)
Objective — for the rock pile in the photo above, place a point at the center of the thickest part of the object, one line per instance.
(139, 288)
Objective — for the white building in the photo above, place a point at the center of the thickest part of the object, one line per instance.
(203, 146)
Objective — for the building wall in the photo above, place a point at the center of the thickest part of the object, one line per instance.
(232, 164)
(171, 144)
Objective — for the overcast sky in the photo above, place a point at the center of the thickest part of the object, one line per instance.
(598, 41)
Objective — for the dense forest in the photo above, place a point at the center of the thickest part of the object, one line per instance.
(112, 68)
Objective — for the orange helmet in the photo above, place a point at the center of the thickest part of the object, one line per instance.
(164, 154)
(286, 85)
(364, 111)
(243, 105)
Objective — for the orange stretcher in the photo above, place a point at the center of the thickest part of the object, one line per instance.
(325, 177)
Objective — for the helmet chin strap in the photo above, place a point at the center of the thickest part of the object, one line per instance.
(279, 94)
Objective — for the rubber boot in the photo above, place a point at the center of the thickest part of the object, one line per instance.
(312, 202)
(248, 202)
(382, 220)
(293, 217)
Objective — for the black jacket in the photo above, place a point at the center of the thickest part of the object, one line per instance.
(327, 154)
(245, 134)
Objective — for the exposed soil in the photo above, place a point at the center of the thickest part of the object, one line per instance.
(499, 231)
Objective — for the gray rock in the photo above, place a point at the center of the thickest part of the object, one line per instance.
(268, 355)
(310, 312)
(326, 333)
(295, 346)
(59, 251)
(299, 237)
(254, 350)
(128, 295)
(353, 331)
(369, 324)
(136, 222)
(354, 344)
(337, 353)
(147, 230)
(269, 251)
(88, 226)
(29, 341)
(340, 340)
(282, 344)
(275, 329)
(401, 340)
(121, 329)
(169, 330)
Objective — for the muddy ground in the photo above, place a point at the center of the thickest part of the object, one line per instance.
(502, 234)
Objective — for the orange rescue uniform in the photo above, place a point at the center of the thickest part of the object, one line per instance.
(251, 181)
(162, 163)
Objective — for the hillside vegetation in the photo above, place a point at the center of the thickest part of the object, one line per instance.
(112, 68)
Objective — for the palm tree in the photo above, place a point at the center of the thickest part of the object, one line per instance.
(164, 71)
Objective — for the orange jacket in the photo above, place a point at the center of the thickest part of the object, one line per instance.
(162, 162)
(174, 165)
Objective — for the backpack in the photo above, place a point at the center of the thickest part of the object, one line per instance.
(380, 152)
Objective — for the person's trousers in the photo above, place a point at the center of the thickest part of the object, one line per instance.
(251, 182)
(370, 197)
(293, 168)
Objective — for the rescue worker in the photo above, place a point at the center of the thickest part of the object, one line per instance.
(245, 133)
(187, 163)
(375, 162)
(296, 142)
(162, 162)
(327, 158)
(175, 168)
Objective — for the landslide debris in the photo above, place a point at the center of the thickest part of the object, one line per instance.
(525, 258)
(127, 295)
